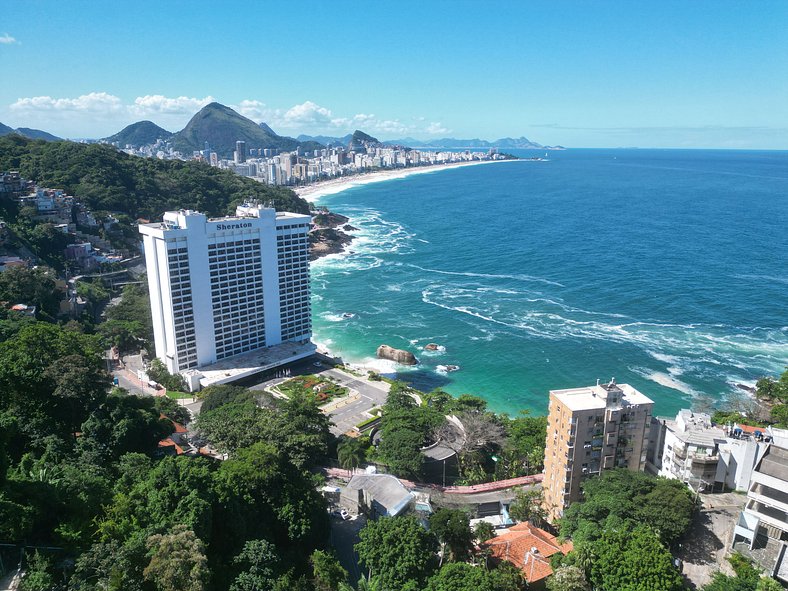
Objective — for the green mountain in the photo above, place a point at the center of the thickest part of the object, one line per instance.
(33, 134)
(109, 180)
(139, 134)
(37, 134)
(221, 127)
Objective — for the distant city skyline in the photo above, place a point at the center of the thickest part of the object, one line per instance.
(608, 74)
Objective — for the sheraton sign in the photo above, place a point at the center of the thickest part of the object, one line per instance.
(237, 226)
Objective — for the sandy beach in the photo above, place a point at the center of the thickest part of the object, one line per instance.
(316, 190)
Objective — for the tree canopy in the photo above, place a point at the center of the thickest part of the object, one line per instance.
(398, 552)
(622, 499)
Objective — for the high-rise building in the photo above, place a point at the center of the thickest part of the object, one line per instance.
(590, 430)
(223, 287)
(240, 152)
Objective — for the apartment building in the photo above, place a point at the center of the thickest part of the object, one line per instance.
(589, 430)
(761, 531)
(222, 287)
(705, 456)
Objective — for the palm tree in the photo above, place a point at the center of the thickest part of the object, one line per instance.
(351, 453)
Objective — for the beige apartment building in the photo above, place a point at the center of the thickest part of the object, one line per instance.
(589, 430)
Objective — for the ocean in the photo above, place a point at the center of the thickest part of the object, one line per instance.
(666, 269)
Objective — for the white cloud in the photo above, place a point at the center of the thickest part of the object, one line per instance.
(254, 110)
(307, 114)
(152, 104)
(6, 39)
(435, 128)
(95, 102)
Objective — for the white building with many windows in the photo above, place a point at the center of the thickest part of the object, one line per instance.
(226, 288)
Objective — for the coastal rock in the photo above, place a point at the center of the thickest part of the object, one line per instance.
(327, 241)
(349, 228)
(400, 356)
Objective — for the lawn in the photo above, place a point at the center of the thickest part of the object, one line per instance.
(175, 395)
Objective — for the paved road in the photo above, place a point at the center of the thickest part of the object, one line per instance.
(370, 395)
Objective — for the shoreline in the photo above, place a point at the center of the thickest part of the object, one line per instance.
(315, 191)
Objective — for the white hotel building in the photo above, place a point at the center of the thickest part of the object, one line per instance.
(225, 288)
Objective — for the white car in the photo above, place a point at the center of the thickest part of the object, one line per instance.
(344, 514)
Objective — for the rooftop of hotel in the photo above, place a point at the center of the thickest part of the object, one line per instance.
(595, 397)
(241, 366)
(242, 212)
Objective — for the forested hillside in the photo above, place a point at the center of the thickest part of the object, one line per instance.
(105, 179)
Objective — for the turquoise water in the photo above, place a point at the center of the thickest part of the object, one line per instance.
(667, 269)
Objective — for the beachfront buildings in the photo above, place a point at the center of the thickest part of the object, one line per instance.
(227, 287)
(589, 430)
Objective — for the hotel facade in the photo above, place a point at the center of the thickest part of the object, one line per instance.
(224, 287)
(590, 430)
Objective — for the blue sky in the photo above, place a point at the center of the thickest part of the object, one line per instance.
(583, 74)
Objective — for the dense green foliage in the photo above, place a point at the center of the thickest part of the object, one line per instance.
(398, 552)
(81, 473)
(492, 446)
(108, 180)
(36, 287)
(633, 560)
(405, 429)
(296, 424)
(773, 389)
(129, 325)
(622, 499)
(452, 528)
(215, 396)
(460, 576)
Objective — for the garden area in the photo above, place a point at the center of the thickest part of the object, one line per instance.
(323, 389)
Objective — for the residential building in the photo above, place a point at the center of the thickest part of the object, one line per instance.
(706, 457)
(529, 549)
(225, 287)
(761, 531)
(589, 430)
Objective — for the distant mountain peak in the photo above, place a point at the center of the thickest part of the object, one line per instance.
(359, 140)
(221, 127)
(140, 133)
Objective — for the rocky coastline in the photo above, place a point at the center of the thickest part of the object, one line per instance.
(329, 234)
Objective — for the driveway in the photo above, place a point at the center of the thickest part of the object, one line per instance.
(711, 535)
(344, 535)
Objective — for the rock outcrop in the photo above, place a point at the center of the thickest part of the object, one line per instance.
(398, 355)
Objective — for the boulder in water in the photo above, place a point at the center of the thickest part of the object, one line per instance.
(398, 355)
(431, 347)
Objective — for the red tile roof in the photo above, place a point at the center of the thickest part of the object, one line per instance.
(529, 549)
(167, 443)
